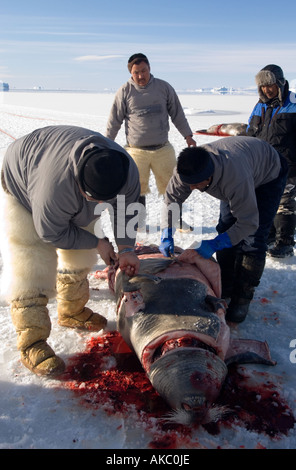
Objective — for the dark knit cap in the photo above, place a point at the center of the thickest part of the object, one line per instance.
(194, 165)
(136, 59)
(102, 173)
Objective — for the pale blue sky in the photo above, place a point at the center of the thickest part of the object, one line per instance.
(85, 44)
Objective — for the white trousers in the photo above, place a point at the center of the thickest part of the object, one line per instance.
(161, 162)
(29, 264)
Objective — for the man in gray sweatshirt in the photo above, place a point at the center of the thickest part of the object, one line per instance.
(145, 104)
(248, 176)
(52, 181)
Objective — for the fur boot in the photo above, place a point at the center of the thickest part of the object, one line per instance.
(72, 295)
(31, 320)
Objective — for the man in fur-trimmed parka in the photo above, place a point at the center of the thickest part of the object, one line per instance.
(274, 119)
(145, 104)
(52, 181)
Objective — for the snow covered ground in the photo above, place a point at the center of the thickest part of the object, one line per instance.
(39, 413)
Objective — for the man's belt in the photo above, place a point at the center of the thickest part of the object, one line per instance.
(149, 147)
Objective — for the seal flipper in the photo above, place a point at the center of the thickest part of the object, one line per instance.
(154, 265)
(148, 268)
(244, 351)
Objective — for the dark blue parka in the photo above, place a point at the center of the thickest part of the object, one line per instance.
(275, 123)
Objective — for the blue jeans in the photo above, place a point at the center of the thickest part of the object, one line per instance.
(268, 198)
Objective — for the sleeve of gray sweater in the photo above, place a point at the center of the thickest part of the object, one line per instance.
(117, 114)
(177, 114)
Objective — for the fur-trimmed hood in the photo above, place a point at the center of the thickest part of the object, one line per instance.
(271, 75)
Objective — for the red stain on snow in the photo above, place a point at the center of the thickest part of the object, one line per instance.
(109, 376)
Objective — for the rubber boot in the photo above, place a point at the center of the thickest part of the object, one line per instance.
(31, 320)
(72, 295)
(284, 238)
(248, 271)
(226, 259)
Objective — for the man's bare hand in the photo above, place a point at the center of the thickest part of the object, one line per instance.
(129, 263)
(106, 251)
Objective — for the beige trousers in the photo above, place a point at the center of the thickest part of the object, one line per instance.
(161, 162)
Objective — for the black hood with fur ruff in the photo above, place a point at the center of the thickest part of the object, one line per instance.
(270, 75)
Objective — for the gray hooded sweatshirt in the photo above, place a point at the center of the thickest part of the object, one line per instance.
(146, 112)
(241, 165)
(40, 170)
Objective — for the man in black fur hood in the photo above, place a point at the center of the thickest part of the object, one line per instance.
(274, 119)
(266, 78)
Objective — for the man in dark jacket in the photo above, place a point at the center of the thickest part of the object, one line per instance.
(248, 176)
(274, 119)
(53, 180)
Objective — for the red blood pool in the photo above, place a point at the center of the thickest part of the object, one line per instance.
(256, 403)
(109, 376)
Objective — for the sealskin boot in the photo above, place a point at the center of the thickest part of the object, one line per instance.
(281, 250)
(31, 320)
(284, 236)
(42, 360)
(72, 295)
(248, 271)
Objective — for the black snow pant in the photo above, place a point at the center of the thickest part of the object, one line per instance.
(242, 265)
(283, 227)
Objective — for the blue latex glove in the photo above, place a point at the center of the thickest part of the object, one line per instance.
(167, 242)
(209, 247)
